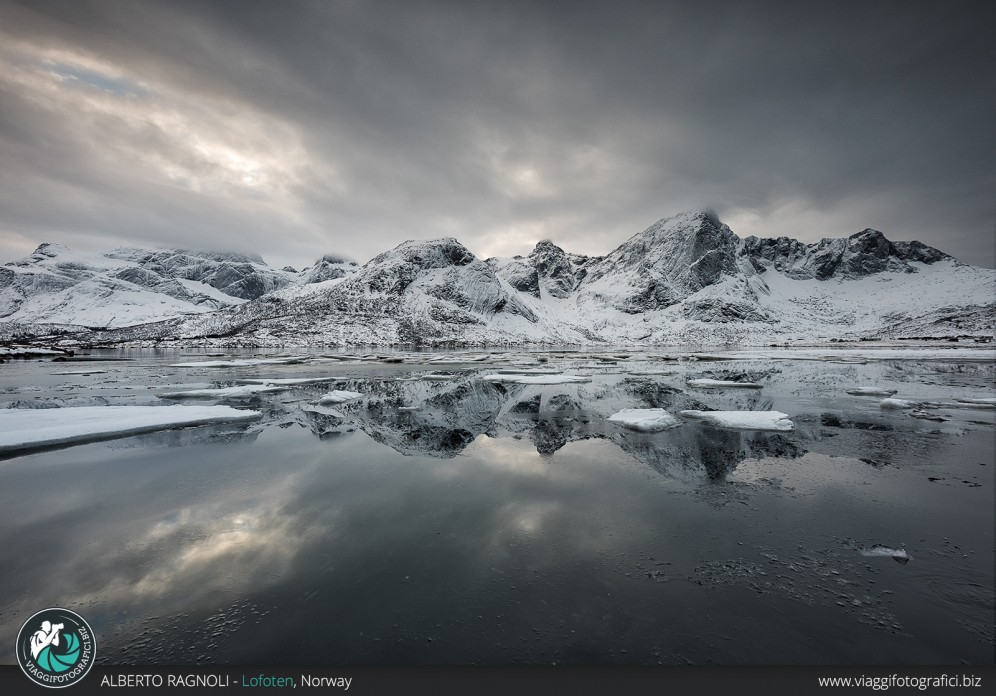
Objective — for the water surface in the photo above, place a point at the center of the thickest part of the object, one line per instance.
(498, 523)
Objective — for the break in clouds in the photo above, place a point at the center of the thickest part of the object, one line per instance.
(297, 129)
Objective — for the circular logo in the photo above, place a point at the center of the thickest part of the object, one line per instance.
(55, 648)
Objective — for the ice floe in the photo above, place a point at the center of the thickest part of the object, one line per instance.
(958, 403)
(871, 391)
(705, 383)
(433, 377)
(978, 402)
(246, 362)
(22, 429)
(537, 379)
(648, 420)
(289, 381)
(222, 392)
(81, 372)
(743, 420)
(338, 397)
(898, 555)
(898, 404)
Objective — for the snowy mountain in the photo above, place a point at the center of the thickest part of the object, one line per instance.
(56, 285)
(685, 279)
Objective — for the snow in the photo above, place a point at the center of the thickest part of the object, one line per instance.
(222, 393)
(743, 420)
(656, 288)
(246, 362)
(871, 391)
(959, 403)
(648, 420)
(899, 555)
(337, 397)
(898, 404)
(721, 384)
(537, 379)
(18, 350)
(288, 381)
(22, 429)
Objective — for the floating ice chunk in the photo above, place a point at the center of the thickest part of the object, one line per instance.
(459, 359)
(927, 415)
(870, 391)
(537, 379)
(22, 429)
(648, 420)
(529, 371)
(323, 410)
(223, 392)
(964, 403)
(294, 360)
(898, 404)
(409, 408)
(81, 372)
(433, 377)
(289, 381)
(338, 397)
(898, 555)
(720, 384)
(743, 420)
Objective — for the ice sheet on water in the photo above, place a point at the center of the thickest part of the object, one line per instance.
(223, 392)
(22, 429)
(743, 420)
(81, 372)
(871, 391)
(920, 405)
(537, 379)
(246, 362)
(898, 555)
(722, 384)
(988, 401)
(435, 377)
(323, 410)
(289, 381)
(339, 396)
(648, 420)
(898, 404)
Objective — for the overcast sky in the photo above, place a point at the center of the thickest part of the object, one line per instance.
(295, 129)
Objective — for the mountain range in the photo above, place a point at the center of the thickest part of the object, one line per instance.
(685, 279)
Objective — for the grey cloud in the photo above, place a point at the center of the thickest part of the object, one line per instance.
(502, 123)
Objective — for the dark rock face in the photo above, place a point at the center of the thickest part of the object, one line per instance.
(245, 276)
(861, 254)
(517, 273)
(560, 272)
(665, 263)
(329, 267)
(918, 251)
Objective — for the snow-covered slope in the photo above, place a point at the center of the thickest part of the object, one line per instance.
(56, 285)
(685, 279)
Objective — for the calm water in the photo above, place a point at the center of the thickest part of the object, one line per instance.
(508, 523)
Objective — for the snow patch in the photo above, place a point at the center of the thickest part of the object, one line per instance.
(22, 429)
(338, 397)
(648, 420)
(743, 420)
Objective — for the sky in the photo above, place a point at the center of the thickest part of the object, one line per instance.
(295, 129)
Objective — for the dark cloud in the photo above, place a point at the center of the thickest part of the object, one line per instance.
(299, 128)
